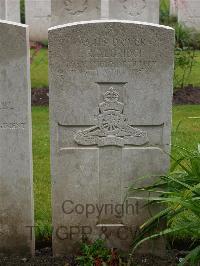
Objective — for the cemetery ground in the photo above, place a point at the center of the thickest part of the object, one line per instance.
(179, 191)
(186, 133)
(186, 130)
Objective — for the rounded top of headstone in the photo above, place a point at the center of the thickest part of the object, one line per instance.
(111, 21)
(14, 40)
(13, 23)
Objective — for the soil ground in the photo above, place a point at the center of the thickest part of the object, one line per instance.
(40, 97)
(44, 257)
(187, 95)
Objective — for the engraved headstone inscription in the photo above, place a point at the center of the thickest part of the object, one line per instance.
(189, 13)
(110, 112)
(137, 10)
(16, 195)
(38, 17)
(66, 11)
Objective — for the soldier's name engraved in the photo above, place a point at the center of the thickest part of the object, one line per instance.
(114, 41)
(132, 64)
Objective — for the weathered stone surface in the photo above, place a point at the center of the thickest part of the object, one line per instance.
(66, 11)
(38, 17)
(16, 196)
(2, 9)
(13, 10)
(137, 10)
(110, 111)
(189, 13)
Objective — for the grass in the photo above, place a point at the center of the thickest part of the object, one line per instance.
(187, 135)
(41, 170)
(194, 77)
(186, 130)
(39, 70)
(164, 5)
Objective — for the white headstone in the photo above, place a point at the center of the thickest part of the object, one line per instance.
(136, 10)
(2, 9)
(189, 13)
(16, 184)
(13, 10)
(66, 11)
(38, 17)
(110, 106)
(173, 7)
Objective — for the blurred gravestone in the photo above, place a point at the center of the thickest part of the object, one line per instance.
(38, 17)
(2, 9)
(110, 105)
(136, 10)
(173, 7)
(16, 195)
(13, 10)
(10, 10)
(66, 11)
(189, 13)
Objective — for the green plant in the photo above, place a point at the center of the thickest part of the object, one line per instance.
(183, 36)
(165, 17)
(179, 191)
(184, 62)
(39, 67)
(164, 11)
(187, 41)
(184, 55)
(22, 11)
(43, 232)
(186, 37)
(45, 43)
(97, 254)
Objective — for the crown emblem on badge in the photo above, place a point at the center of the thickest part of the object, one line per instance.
(111, 98)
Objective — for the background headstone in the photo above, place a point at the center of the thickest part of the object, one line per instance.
(16, 184)
(136, 10)
(2, 9)
(173, 7)
(110, 111)
(38, 17)
(13, 10)
(66, 11)
(189, 13)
